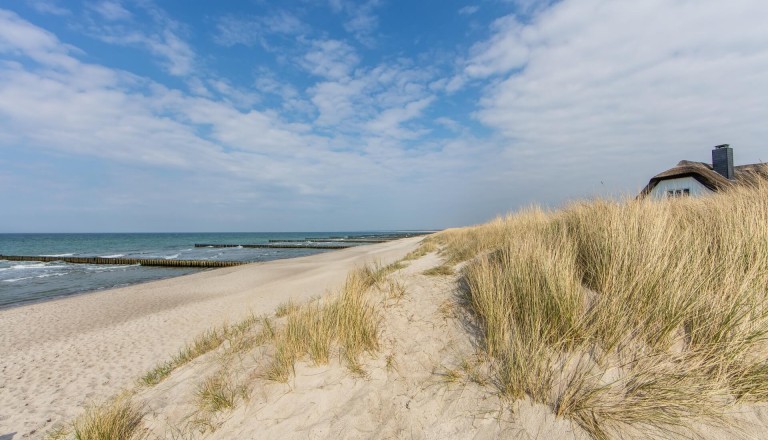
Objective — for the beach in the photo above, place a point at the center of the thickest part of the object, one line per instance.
(58, 356)
(426, 373)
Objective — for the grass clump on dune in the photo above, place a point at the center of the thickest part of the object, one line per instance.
(217, 393)
(443, 269)
(204, 343)
(347, 319)
(118, 419)
(630, 314)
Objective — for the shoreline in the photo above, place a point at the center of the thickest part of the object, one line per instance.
(63, 296)
(61, 354)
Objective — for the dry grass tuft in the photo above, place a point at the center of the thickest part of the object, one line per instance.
(427, 245)
(286, 309)
(206, 342)
(347, 319)
(449, 375)
(391, 363)
(118, 419)
(442, 270)
(217, 393)
(395, 289)
(625, 313)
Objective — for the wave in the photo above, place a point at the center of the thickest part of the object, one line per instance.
(58, 255)
(29, 266)
(109, 267)
(55, 274)
(38, 266)
(171, 257)
(112, 256)
(13, 280)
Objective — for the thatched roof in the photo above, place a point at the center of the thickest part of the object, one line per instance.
(711, 179)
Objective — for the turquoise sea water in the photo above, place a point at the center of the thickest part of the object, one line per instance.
(24, 282)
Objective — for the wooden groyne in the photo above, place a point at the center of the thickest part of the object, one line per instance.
(317, 243)
(270, 246)
(126, 261)
(332, 240)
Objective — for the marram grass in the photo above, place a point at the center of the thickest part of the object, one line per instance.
(118, 419)
(625, 314)
(346, 319)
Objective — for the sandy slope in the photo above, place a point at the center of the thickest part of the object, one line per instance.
(57, 356)
(425, 383)
(408, 391)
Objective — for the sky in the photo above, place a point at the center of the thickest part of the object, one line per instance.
(339, 115)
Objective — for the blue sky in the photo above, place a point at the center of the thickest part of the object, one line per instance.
(358, 115)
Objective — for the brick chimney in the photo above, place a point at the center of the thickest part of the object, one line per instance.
(722, 160)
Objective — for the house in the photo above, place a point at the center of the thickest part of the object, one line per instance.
(689, 178)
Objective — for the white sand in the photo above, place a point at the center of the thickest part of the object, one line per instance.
(412, 397)
(57, 356)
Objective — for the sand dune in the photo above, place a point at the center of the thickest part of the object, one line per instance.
(428, 379)
(57, 356)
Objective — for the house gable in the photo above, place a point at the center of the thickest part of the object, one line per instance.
(687, 185)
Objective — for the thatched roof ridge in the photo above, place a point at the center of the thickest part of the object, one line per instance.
(711, 179)
(749, 174)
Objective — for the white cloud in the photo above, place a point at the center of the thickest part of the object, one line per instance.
(17, 37)
(49, 7)
(111, 10)
(469, 10)
(389, 122)
(624, 89)
(338, 101)
(374, 101)
(505, 51)
(162, 36)
(249, 31)
(284, 22)
(331, 59)
(362, 21)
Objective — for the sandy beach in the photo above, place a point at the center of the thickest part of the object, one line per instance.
(57, 356)
(427, 379)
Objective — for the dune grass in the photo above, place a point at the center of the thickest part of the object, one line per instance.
(218, 392)
(618, 314)
(426, 246)
(443, 269)
(118, 419)
(347, 319)
(204, 343)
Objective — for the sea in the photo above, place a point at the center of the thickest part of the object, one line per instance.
(24, 282)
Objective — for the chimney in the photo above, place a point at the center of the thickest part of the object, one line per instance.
(722, 160)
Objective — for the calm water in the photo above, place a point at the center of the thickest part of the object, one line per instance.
(23, 282)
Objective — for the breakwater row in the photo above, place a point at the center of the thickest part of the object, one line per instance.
(269, 246)
(127, 261)
(332, 240)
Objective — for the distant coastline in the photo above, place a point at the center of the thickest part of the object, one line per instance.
(30, 282)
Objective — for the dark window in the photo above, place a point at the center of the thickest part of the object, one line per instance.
(678, 192)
